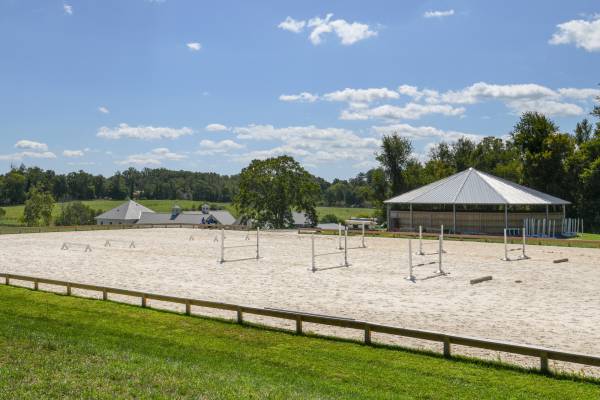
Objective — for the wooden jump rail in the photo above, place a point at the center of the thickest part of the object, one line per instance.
(448, 340)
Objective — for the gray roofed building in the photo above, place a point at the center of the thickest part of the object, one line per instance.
(126, 213)
(475, 187)
(300, 220)
(206, 216)
(483, 199)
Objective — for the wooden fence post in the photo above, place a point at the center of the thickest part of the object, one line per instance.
(298, 325)
(144, 301)
(367, 334)
(240, 316)
(68, 290)
(188, 308)
(104, 295)
(447, 353)
(35, 285)
(544, 362)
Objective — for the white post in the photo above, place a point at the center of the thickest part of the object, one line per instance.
(420, 240)
(257, 243)
(410, 276)
(543, 227)
(222, 260)
(363, 235)
(312, 243)
(505, 246)
(440, 269)
(524, 243)
(442, 236)
(582, 226)
(339, 236)
(346, 247)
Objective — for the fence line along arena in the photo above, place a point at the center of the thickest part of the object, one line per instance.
(532, 300)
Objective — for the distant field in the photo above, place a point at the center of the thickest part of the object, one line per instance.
(14, 213)
(65, 347)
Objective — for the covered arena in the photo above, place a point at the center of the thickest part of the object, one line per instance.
(473, 202)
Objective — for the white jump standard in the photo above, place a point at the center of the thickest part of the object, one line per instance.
(441, 237)
(440, 270)
(223, 247)
(314, 256)
(362, 238)
(521, 248)
(72, 246)
(130, 243)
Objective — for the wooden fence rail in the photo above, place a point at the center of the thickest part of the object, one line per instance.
(543, 353)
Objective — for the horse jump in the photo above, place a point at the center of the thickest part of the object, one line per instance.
(362, 238)
(223, 247)
(130, 244)
(70, 246)
(520, 248)
(314, 256)
(441, 236)
(440, 270)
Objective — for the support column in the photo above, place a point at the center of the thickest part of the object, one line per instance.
(411, 217)
(454, 218)
(505, 216)
(389, 217)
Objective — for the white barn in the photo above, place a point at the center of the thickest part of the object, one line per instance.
(127, 213)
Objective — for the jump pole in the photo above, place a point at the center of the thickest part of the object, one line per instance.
(410, 276)
(312, 243)
(257, 243)
(505, 246)
(363, 236)
(346, 247)
(222, 260)
(524, 242)
(440, 250)
(339, 236)
(420, 240)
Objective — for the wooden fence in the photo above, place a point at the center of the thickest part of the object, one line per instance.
(544, 354)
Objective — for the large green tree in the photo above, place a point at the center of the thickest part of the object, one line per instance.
(543, 151)
(394, 156)
(76, 213)
(38, 208)
(270, 189)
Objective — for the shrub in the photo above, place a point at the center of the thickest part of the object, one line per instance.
(76, 213)
(329, 218)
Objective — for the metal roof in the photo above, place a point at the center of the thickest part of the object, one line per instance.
(194, 218)
(475, 187)
(128, 211)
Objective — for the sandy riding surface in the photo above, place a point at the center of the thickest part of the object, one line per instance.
(529, 301)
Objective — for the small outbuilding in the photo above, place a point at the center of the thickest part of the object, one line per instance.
(472, 201)
(126, 213)
(179, 217)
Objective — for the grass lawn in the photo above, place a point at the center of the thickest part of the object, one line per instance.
(14, 213)
(587, 236)
(54, 346)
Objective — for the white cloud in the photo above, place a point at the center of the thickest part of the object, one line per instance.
(216, 128)
(27, 154)
(517, 97)
(408, 111)
(73, 153)
(224, 146)
(348, 33)
(582, 33)
(103, 110)
(579, 94)
(438, 14)
(311, 144)
(142, 132)
(154, 157)
(194, 46)
(422, 132)
(360, 96)
(68, 9)
(31, 145)
(290, 24)
(303, 97)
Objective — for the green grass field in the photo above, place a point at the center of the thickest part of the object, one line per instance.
(54, 346)
(14, 213)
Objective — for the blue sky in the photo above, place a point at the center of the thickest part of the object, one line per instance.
(208, 86)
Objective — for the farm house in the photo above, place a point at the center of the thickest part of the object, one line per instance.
(472, 201)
